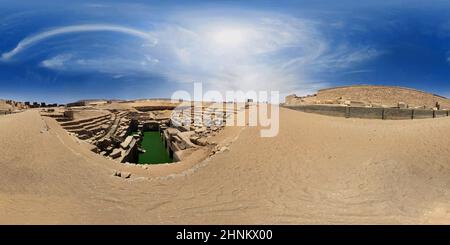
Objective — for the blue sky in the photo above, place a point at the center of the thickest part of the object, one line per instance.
(56, 51)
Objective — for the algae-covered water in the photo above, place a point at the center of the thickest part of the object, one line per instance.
(155, 149)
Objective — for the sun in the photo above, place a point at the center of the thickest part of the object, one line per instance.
(229, 37)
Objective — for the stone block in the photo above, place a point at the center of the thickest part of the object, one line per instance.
(116, 153)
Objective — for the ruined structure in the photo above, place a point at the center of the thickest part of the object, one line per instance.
(11, 106)
(373, 96)
(117, 133)
(373, 102)
(88, 103)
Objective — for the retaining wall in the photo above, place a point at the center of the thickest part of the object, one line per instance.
(363, 112)
(325, 110)
(397, 114)
(421, 114)
(369, 112)
(440, 113)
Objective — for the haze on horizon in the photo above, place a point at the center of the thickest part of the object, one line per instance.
(56, 51)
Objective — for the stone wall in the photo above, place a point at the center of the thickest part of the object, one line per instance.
(369, 113)
(364, 112)
(339, 111)
(5, 106)
(383, 95)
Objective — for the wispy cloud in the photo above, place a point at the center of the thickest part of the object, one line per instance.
(30, 40)
(344, 56)
(275, 52)
(56, 62)
(357, 71)
(248, 51)
(230, 55)
(106, 65)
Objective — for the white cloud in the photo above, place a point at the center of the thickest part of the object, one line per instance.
(258, 52)
(56, 62)
(250, 51)
(118, 76)
(96, 5)
(117, 67)
(341, 58)
(30, 40)
(236, 56)
(150, 60)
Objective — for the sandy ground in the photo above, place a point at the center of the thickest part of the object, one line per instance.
(318, 170)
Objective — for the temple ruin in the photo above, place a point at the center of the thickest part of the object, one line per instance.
(117, 133)
(374, 102)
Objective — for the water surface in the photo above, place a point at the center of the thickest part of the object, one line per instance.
(155, 149)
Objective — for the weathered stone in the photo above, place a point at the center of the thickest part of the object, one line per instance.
(194, 139)
(116, 153)
(125, 175)
(126, 143)
(184, 128)
(202, 142)
(200, 130)
(402, 105)
(172, 131)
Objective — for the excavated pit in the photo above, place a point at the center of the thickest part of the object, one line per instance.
(153, 135)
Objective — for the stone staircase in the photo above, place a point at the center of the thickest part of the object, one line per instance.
(90, 129)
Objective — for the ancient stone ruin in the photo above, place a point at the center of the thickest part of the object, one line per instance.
(375, 102)
(372, 96)
(117, 133)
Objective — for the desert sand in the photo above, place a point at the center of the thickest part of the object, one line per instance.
(318, 170)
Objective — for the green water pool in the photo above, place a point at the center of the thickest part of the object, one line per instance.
(155, 149)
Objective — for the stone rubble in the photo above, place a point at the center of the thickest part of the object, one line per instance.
(110, 134)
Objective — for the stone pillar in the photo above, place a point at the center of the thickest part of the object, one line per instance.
(68, 114)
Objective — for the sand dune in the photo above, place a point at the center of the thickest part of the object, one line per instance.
(317, 170)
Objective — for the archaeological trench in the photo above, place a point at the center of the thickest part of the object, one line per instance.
(118, 134)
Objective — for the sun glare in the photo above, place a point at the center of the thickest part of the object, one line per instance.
(229, 37)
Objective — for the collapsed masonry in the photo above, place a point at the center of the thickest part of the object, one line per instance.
(106, 133)
(11, 106)
(191, 127)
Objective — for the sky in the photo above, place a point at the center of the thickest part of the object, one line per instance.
(63, 51)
